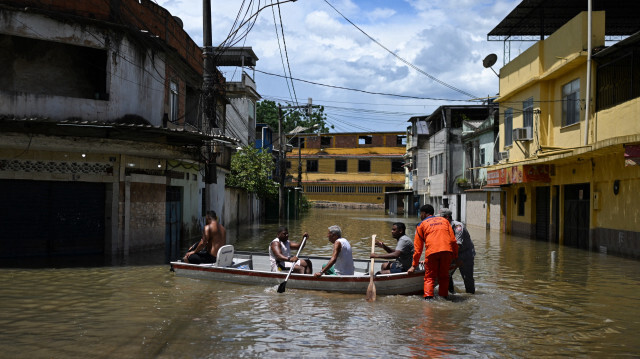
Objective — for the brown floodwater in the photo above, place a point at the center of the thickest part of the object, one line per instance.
(533, 299)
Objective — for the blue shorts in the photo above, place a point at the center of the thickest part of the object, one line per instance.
(396, 267)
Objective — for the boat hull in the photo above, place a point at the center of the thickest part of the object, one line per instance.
(386, 284)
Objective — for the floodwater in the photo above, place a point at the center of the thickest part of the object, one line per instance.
(533, 299)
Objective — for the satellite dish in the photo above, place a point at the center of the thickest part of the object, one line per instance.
(489, 61)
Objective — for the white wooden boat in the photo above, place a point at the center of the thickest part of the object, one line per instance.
(255, 269)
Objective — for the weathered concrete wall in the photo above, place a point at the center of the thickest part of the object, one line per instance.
(476, 212)
(147, 216)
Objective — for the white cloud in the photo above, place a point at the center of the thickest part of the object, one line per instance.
(445, 38)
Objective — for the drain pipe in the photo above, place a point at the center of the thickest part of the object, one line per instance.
(588, 89)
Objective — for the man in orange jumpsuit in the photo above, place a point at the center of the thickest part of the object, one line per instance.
(435, 236)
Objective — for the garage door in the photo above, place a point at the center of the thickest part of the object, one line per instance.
(40, 218)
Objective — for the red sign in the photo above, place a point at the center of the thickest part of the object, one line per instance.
(497, 177)
(536, 173)
(631, 155)
(519, 174)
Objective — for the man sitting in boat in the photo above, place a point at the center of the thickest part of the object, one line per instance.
(280, 254)
(403, 254)
(214, 236)
(341, 261)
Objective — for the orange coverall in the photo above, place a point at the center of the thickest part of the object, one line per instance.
(436, 236)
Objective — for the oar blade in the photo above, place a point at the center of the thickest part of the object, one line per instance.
(371, 292)
(282, 287)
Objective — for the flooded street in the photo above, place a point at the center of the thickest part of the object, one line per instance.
(533, 299)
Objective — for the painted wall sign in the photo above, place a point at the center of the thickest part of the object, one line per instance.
(631, 155)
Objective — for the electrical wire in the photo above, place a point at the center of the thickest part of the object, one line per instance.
(402, 59)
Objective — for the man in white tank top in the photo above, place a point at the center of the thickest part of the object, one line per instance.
(280, 254)
(342, 257)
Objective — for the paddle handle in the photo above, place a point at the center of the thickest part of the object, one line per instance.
(373, 249)
(297, 254)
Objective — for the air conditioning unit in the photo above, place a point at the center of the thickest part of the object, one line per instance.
(503, 156)
(522, 134)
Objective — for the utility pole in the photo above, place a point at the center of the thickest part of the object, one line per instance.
(281, 165)
(309, 109)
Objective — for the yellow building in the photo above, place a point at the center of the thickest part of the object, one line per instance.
(347, 167)
(564, 179)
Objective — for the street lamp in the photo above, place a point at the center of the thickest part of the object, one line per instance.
(296, 131)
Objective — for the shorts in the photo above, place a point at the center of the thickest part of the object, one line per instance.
(285, 266)
(396, 267)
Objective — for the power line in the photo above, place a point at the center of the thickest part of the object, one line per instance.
(365, 91)
(402, 59)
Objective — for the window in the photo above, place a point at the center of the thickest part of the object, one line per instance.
(397, 166)
(571, 103)
(312, 165)
(370, 189)
(173, 102)
(508, 127)
(401, 140)
(482, 157)
(288, 165)
(365, 140)
(325, 141)
(345, 189)
(435, 165)
(341, 166)
(298, 142)
(364, 166)
(527, 113)
(318, 189)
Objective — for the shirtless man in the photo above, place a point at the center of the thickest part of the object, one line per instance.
(214, 236)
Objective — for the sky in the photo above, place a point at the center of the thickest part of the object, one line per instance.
(340, 53)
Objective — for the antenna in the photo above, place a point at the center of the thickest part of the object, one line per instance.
(489, 61)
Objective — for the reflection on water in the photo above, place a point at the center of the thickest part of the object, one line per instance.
(533, 299)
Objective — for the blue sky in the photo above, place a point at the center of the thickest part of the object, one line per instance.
(444, 39)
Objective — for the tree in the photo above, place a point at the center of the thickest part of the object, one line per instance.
(251, 170)
(267, 112)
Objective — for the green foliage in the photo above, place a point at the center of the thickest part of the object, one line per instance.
(304, 204)
(267, 112)
(251, 170)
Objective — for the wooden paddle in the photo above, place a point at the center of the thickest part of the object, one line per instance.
(371, 290)
(282, 287)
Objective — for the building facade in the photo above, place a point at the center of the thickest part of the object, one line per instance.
(102, 144)
(569, 137)
(347, 167)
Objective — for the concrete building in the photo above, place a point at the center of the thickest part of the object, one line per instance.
(437, 156)
(570, 128)
(102, 150)
(348, 167)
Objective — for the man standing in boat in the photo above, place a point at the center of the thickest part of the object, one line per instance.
(280, 254)
(466, 253)
(214, 236)
(435, 236)
(342, 258)
(402, 254)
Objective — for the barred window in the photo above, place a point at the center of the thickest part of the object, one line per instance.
(318, 189)
(345, 189)
(370, 189)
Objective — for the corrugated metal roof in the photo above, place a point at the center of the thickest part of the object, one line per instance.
(534, 18)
